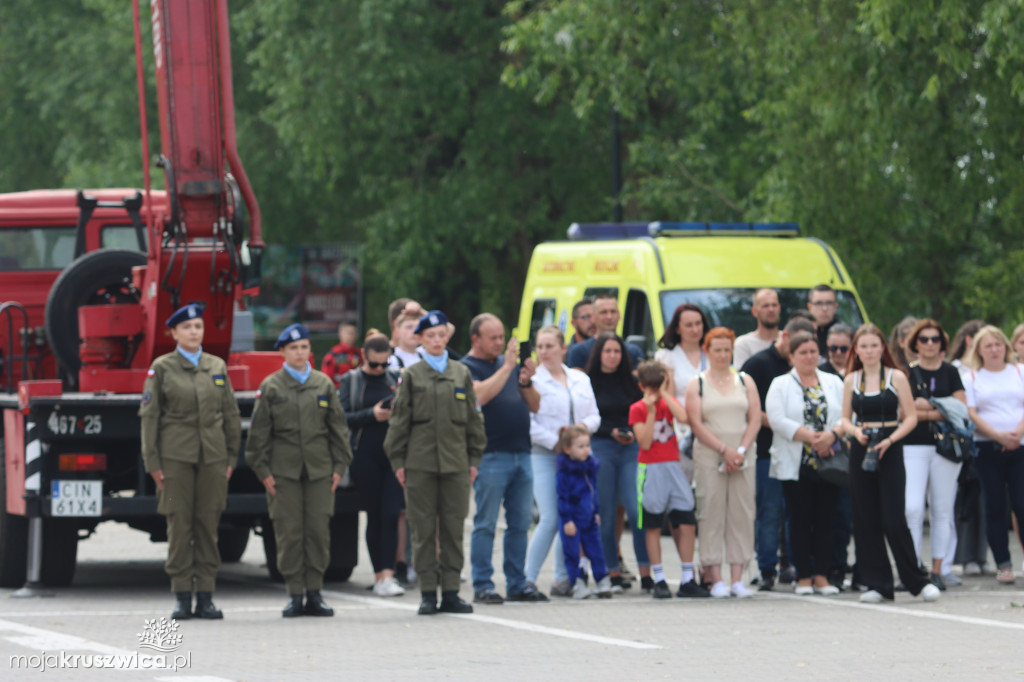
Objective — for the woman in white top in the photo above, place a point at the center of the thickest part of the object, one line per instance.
(804, 408)
(683, 353)
(566, 398)
(995, 402)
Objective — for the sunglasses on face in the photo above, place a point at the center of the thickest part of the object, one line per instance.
(929, 339)
(838, 349)
(376, 365)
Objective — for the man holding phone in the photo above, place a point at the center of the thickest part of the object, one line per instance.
(506, 395)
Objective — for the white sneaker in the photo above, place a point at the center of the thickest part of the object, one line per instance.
(972, 568)
(873, 597)
(740, 591)
(720, 590)
(604, 588)
(951, 580)
(388, 587)
(930, 592)
(827, 591)
(803, 590)
(580, 590)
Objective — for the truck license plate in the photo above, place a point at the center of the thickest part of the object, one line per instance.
(76, 498)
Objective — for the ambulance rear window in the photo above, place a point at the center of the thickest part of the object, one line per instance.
(731, 307)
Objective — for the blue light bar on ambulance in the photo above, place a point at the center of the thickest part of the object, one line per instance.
(579, 231)
(696, 229)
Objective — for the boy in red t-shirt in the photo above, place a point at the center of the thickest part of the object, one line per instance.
(664, 489)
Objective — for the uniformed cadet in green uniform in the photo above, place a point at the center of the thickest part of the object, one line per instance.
(435, 442)
(298, 446)
(191, 433)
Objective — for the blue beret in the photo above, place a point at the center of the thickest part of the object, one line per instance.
(292, 333)
(435, 318)
(185, 313)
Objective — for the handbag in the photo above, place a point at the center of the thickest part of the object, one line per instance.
(836, 469)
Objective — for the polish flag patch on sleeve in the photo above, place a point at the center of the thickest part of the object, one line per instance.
(258, 393)
(150, 373)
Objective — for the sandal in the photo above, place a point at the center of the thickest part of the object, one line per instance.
(1005, 576)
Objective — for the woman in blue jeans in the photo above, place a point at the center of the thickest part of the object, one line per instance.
(615, 447)
(995, 402)
(566, 398)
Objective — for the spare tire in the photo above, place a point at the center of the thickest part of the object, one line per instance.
(98, 278)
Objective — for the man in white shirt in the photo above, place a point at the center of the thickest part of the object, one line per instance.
(766, 311)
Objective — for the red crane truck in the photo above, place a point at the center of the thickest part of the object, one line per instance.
(87, 279)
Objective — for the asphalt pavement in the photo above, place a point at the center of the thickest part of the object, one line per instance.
(120, 595)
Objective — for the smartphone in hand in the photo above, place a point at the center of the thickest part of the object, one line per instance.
(525, 351)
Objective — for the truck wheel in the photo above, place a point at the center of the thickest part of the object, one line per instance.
(270, 550)
(60, 551)
(232, 541)
(96, 278)
(344, 547)
(13, 536)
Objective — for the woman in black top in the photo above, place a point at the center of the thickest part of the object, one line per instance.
(616, 448)
(366, 396)
(879, 395)
(931, 377)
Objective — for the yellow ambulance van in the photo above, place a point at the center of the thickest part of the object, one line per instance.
(653, 267)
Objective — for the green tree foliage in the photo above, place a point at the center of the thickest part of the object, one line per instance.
(452, 136)
(887, 128)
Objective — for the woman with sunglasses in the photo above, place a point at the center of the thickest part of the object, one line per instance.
(927, 471)
(840, 336)
(366, 396)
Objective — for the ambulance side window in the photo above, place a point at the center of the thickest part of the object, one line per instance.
(591, 292)
(543, 315)
(636, 320)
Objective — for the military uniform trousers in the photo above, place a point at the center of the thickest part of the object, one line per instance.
(301, 511)
(193, 498)
(437, 506)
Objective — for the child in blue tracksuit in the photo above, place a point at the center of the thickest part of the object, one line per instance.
(576, 482)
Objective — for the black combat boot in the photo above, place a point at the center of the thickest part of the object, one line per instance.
(428, 607)
(315, 605)
(294, 607)
(450, 603)
(183, 607)
(205, 607)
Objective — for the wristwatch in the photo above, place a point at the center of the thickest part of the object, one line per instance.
(742, 450)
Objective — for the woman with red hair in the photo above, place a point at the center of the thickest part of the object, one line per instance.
(725, 414)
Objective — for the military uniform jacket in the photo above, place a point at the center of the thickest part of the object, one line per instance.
(189, 413)
(435, 425)
(298, 426)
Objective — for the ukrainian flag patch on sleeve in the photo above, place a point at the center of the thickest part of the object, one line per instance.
(219, 380)
(321, 400)
(460, 393)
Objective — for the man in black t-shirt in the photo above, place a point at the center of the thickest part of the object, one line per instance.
(763, 367)
(507, 396)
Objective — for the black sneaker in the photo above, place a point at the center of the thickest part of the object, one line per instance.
(767, 582)
(620, 583)
(451, 603)
(529, 593)
(487, 596)
(692, 590)
(788, 576)
(661, 590)
(646, 584)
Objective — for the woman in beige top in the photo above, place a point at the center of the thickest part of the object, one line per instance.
(725, 414)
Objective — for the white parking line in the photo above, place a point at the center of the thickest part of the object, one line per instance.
(503, 622)
(968, 620)
(40, 639)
